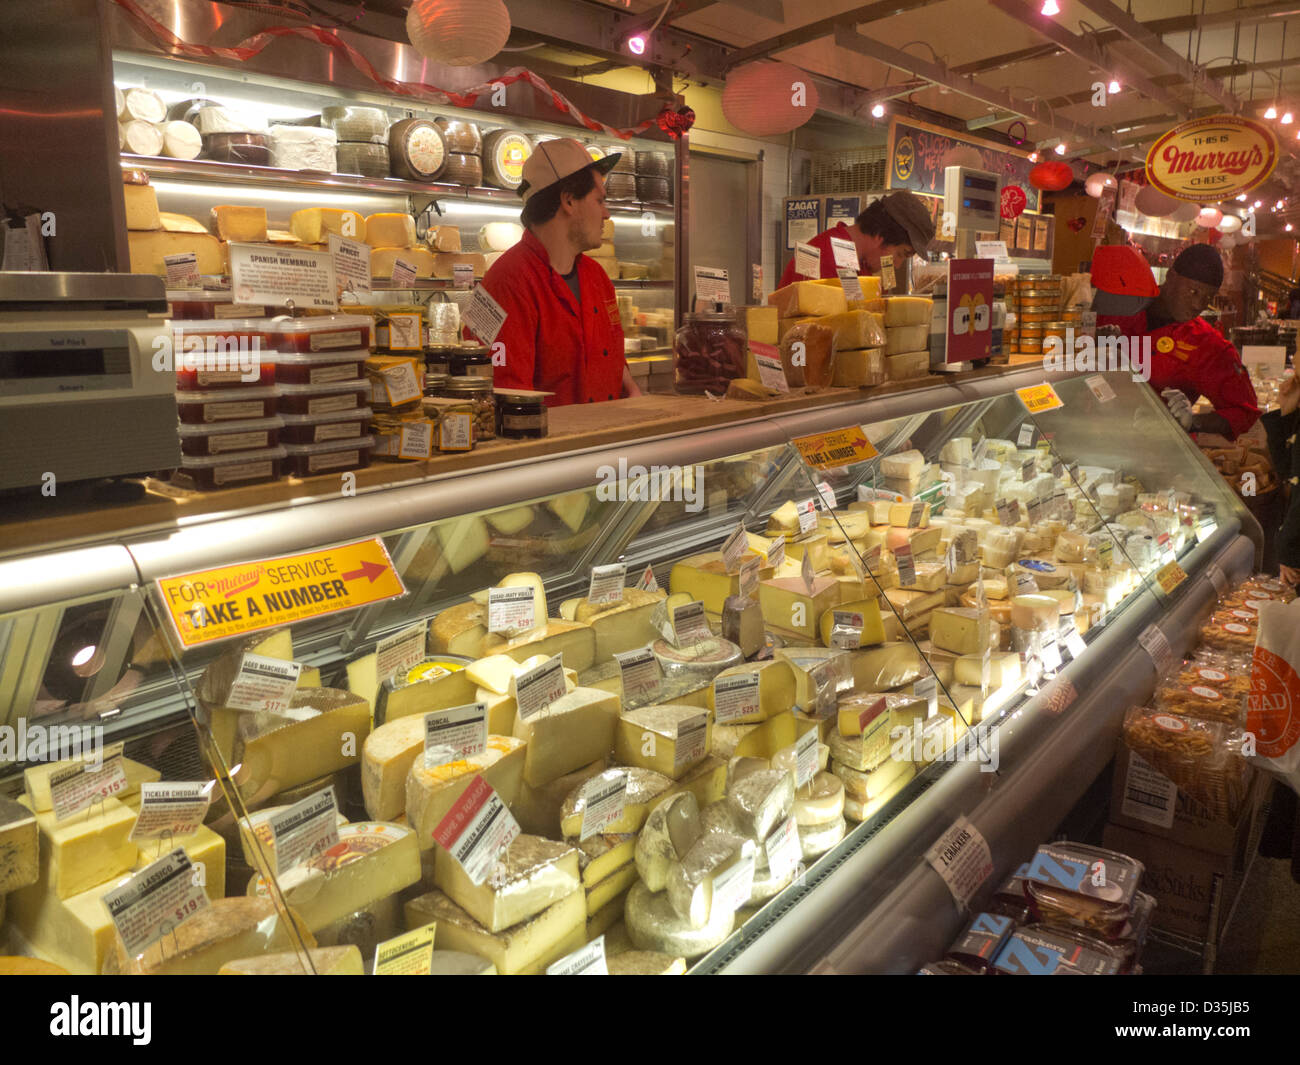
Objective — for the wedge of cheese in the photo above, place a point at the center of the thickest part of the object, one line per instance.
(690, 881)
(532, 875)
(1004, 670)
(323, 961)
(437, 683)
(666, 738)
(963, 630)
(574, 640)
(538, 809)
(459, 630)
(386, 760)
(602, 855)
(867, 611)
(788, 604)
(670, 831)
(86, 849)
(805, 298)
(431, 792)
(754, 741)
(860, 368)
(776, 689)
(645, 788)
(572, 732)
(620, 626)
(705, 578)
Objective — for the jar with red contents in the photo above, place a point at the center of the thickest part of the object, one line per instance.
(331, 332)
(219, 354)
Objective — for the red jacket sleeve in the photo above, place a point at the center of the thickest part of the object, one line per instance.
(514, 353)
(1223, 380)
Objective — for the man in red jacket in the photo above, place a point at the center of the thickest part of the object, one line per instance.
(898, 224)
(561, 332)
(1189, 357)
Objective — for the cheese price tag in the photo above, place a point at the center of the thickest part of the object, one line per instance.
(807, 260)
(735, 698)
(1058, 468)
(807, 509)
(511, 609)
(962, 857)
(846, 256)
(1026, 437)
(783, 850)
(770, 371)
(604, 800)
(404, 273)
(850, 283)
(712, 285)
(410, 954)
(915, 515)
(733, 547)
(484, 316)
(537, 688)
(182, 270)
(401, 651)
(263, 685)
(647, 583)
(477, 830)
(79, 786)
(906, 565)
(1170, 576)
(462, 275)
(1027, 471)
(1074, 642)
(749, 571)
(307, 828)
(607, 583)
(1100, 388)
(351, 266)
(454, 734)
(1039, 398)
(640, 671)
(846, 630)
(928, 688)
(828, 495)
(689, 624)
(776, 552)
(1217, 578)
(732, 888)
(888, 282)
(805, 757)
(171, 809)
(806, 571)
(1035, 511)
(1105, 553)
(691, 736)
(587, 961)
(1155, 643)
(1051, 654)
(156, 901)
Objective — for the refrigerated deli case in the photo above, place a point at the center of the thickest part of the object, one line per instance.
(999, 583)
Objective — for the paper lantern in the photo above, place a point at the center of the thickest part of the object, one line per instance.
(1230, 223)
(1230, 240)
(766, 99)
(1185, 212)
(458, 33)
(1051, 176)
(1154, 204)
(1099, 183)
(1209, 217)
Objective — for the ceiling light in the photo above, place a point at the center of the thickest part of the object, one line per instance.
(84, 655)
(1242, 197)
(636, 44)
(1060, 148)
(1271, 112)
(1280, 205)
(1286, 118)
(1259, 204)
(1289, 227)
(1050, 7)
(1113, 87)
(878, 111)
(1033, 157)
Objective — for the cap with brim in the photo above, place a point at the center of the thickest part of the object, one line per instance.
(554, 160)
(911, 213)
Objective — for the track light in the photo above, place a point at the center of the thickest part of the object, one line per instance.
(1259, 204)
(1242, 198)
(1060, 148)
(636, 44)
(878, 111)
(1113, 87)
(1033, 157)
(1286, 118)
(1050, 7)
(1289, 227)
(1271, 113)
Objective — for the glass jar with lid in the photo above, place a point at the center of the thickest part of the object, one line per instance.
(709, 351)
(476, 391)
(521, 415)
(470, 360)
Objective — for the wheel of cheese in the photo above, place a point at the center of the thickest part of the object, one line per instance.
(142, 138)
(363, 157)
(304, 148)
(120, 99)
(417, 150)
(252, 149)
(181, 140)
(653, 164)
(504, 153)
(627, 158)
(500, 236)
(463, 170)
(462, 137)
(620, 186)
(226, 120)
(356, 124)
(654, 189)
(142, 105)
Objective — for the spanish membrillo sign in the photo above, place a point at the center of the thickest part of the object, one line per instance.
(1212, 158)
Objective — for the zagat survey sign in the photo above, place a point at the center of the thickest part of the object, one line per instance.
(216, 604)
(1212, 158)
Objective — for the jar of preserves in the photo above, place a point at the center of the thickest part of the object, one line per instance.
(521, 415)
(470, 360)
(709, 351)
(477, 392)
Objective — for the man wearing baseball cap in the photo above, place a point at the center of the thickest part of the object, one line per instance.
(898, 224)
(1189, 357)
(562, 332)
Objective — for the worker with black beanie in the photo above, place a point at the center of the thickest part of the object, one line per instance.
(1189, 357)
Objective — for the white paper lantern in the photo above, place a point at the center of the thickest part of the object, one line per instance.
(1209, 217)
(1099, 183)
(1185, 212)
(767, 99)
(1155, 204)
(1229, 224)
(1229, 240)
(458, 33)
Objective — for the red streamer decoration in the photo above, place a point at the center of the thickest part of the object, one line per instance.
(670, 121)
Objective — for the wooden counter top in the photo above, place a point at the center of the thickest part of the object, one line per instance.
(72, 517)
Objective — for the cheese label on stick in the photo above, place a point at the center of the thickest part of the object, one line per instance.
(1027, 471)
(404, 273)
(783, 850)
(1026, 437)
(605, 799)
(537, 688)
(735, 698)
(712, 285)
(692, 735)
(846, 256)
(454, 734)
(888, 282)
(749, 572)
(1051, 654)
(263, 685)
(807, 572)
(776, 552)
(641, 673)
(171, 809)
(1074, 642)
(807, 260)
(906, 565)
(79, 786)
(846, 630)
(182, 270)
(477, 830)
(647, 583)
(410, 954)
(928, 689)
(805, 757)
(689, 624)
(733, 548)
(511, 609)
(306, 829)
(807, 509)
(731, 889)
(401, 651)
(462, 275)
(607, 583)
(156, 901)
(351, 265)
(768, 360)
(852, 286)
(589, 961)
(828, 495)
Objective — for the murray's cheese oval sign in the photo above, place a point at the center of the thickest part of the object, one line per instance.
(1212, 158)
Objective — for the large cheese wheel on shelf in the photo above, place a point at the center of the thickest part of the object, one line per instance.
(363, 157)
(181, 140)
(304, 148)
(462, 137)
(654, 189)
(141, 138)
(356, 124)
(389, 229)
(500, 236)
(444, 264)
(620, 186)
(142, 105)
(226, 120)
(504, 153)
(417, 149)
(382, 261)
(251, 149)
(142, 207)
(463, 169)
(653, 164)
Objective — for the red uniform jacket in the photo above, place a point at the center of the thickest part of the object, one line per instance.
(1194, 358)
(549, 342)
(823, 243)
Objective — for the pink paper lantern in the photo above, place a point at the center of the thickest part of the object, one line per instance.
(1209, 217)
(458, 33)
(1155, 204)
(1185, 212)
(767, 99)
(1099, 183)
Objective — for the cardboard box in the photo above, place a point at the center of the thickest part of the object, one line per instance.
(1147, 801)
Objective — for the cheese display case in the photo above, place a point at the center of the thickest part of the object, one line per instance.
(710, 695)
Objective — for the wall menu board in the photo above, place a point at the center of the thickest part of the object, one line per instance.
(803, 219)
(918, 154)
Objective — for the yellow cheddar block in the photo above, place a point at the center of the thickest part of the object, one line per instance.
(856, 329)
(761, 324)
(873, 630)
(808, 298)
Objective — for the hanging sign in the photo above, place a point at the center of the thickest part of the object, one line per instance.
(1213, 158)
(1014, 201)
